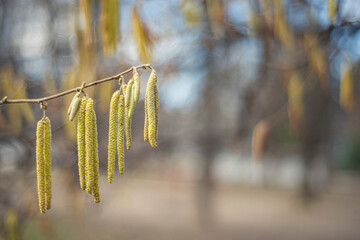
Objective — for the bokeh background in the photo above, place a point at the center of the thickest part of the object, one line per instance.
(259, 133)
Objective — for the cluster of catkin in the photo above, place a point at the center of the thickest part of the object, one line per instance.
(122, 107)
(87, 145)
(43, 163)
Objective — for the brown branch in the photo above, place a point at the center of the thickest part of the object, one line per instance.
(40, 100)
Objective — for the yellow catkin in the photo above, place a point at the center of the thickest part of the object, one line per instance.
(120, 133)
(89, 146)
(112, 135)
(40, 165)
(128, 94)
(157, 108)
(47, 160)
(96, 190)
(81, 143)
(146, 122)
(132, 102)
(136, 91)
(151, 108)
(127, 120)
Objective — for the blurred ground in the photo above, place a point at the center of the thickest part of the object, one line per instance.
(135, 207)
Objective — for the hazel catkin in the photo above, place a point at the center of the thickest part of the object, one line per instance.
(89, 146)
(96, 190)
(136, 90)
(47, 161)
(120, 133)
(132, 102)
(113, 115)
(40, 165)
(146, 122)
(150, 102)
(127, 120)
(128, 93)
(157, 108)
(81, 143)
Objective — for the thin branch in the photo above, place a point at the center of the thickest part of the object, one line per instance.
(40, 100)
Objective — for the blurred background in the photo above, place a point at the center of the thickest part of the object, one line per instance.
(259, 133)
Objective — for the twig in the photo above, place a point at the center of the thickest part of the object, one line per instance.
(5, 100)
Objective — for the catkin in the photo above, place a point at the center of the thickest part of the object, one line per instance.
(47, 160)
(81, 142)
(96, 191)
(128, 93)
(40, 165)
(136, 90)
(157, 107)
(89, 146)
(146, 122)
(120, 133)
(112, 135)
(151, 109)
(127, 120)
(132, 102)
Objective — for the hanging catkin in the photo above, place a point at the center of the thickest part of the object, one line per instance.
(96, 191)
(113, 115)
(47, 160)
(81, 142)
(150, 102)
(136, 91)
(157, 107)
(146, 122)
(127, 120)
(120, 133)
(40, 165)
(128, 94)
(132, 102)
(89, 146)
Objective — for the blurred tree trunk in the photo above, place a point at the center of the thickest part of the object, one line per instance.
(207, 135)
(316, 132)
